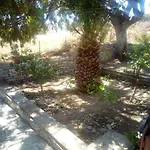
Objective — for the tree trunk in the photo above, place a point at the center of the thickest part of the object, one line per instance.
(87, 66)
(121, 38)
(122, 21)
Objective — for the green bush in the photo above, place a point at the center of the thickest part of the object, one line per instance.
(133, 137)
(140, 55)
(140, 58)
(34, 65)
(104, 92)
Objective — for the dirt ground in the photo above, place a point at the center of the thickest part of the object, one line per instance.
(84, 114)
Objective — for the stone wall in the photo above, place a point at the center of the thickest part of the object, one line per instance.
(8, 73)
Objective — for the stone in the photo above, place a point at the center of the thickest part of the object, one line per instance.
(89, 127)
(103, 130)
(93, 130)
(145, 95)
(109, 126)
(112, 124)
(110, 120)
(16, 134)
(48, 101)
(45, 125)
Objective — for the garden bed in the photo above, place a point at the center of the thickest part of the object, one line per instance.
(84, 114)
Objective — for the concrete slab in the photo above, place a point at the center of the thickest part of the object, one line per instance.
(111, 140)
(16, 134)
(54, 133)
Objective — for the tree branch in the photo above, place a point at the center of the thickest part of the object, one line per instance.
(77, 30)
(128, 23)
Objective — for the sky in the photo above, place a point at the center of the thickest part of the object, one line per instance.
(147, 10)
(147, 7)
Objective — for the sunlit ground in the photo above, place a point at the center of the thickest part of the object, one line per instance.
(15, 134)
(47, 42)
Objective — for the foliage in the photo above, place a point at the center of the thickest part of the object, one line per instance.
(22, 20)
(133, 137)
(34, 65)
(140, 54)
(140, 58)
(83, 16)
(93, 88)
(122, 10)
(88, 18)
(104, 92)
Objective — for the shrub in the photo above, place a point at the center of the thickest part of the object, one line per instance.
(140, 58)
(104, 92)
(39, 68)
(140, 54)
(133, 137)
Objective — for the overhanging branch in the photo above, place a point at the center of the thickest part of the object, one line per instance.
(77, 30)
(128, 23)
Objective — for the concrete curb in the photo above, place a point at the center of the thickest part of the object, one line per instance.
(54, 133)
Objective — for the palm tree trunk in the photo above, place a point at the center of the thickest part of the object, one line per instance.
(87, 65)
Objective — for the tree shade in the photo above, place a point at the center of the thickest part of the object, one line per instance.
(20, 20)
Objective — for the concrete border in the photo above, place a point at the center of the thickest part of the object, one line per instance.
(54, 133)
(128, 76)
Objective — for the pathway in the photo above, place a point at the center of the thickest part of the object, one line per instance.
(16, 134)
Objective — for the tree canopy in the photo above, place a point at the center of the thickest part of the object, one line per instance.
(21, 19)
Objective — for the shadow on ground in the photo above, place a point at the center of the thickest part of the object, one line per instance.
(15, 134)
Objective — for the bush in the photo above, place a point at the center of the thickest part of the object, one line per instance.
(33, 65)
(140, 54)
(104, 92)
(134, 139)
(140, 58)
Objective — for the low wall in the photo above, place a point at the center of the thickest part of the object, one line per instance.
(8, 74)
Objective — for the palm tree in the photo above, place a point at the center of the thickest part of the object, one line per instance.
(23, 20)
(90, 17)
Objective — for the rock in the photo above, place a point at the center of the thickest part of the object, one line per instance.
(41, 102)
(33, 101)
(48, 101)
(112, 124)
(89, 127)
(93, 130)
(110, 120)
(103, 130)
(81, 125)
(109, 126)
(145, 95)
